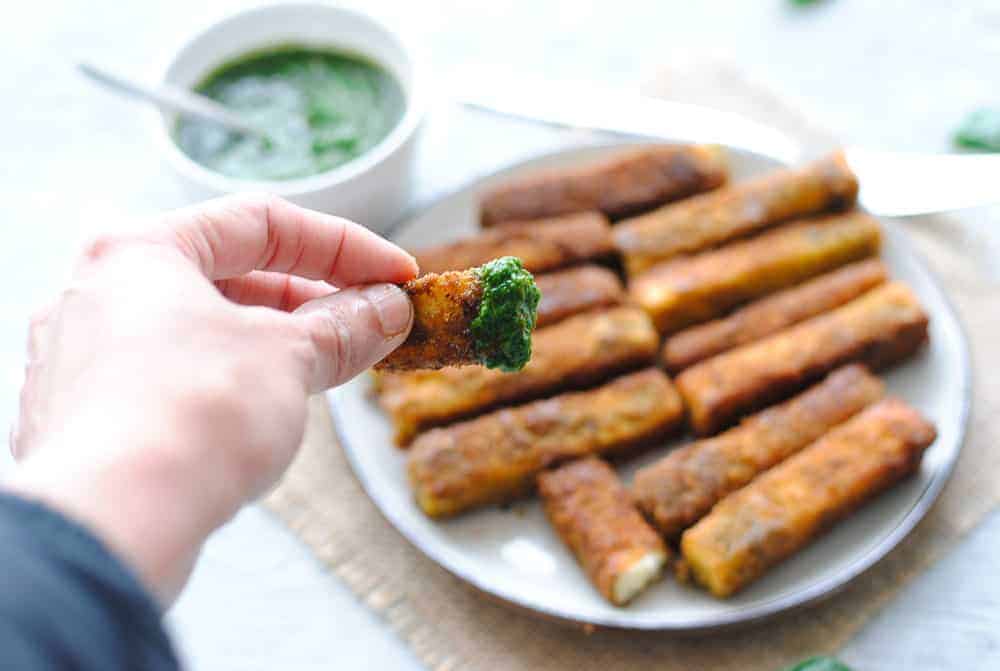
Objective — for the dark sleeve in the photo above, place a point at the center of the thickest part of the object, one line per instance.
(67, 603)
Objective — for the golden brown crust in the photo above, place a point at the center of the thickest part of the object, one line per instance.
(495, 457)
(632, 182)
(542, 245)
(769, 315)
(682, 571)
(578, 351)
(443, 307)
(698, 288)
(879, 328)
(787, 507)
(592, 513)
(679, 489)
(564, 294)
(569, 292)
(713, 218)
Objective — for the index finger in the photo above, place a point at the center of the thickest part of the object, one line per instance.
(232, 236)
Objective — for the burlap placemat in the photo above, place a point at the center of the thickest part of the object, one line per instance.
(450, 626)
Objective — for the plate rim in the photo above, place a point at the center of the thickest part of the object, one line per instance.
(746, 615)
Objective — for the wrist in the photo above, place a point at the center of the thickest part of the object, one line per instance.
(147, 505)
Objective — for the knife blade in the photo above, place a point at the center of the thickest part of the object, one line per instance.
(892, 183)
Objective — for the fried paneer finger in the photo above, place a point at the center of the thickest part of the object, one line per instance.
(564, 294)
(577, 351)
(569, 292)
(481, 316)
(631, 182)
(679, 489)
(771, 314)
(879, 328)
(542, 245)
(787, 507)
(591, 512)
(495, 457)
(713, 218)
(702, 287)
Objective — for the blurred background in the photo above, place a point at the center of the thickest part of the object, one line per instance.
(76, 160)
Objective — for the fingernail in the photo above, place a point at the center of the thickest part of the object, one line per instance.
(392, 306)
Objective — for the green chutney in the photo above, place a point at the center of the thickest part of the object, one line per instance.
(320, 109)
(507, 313)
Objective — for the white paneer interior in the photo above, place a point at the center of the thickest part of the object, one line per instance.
(634, 579)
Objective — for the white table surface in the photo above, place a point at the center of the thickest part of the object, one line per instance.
(76, 160)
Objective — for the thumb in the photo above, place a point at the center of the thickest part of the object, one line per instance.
(353, 329)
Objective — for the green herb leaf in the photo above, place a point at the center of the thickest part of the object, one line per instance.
(980, 130)
(819, 664)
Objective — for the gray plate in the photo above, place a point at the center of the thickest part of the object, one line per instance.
(512, 554)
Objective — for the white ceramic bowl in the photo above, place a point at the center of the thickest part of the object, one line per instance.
(372, 189)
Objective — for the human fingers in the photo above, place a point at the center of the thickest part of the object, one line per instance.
(272, 290)
(353, 329)
(234, 235)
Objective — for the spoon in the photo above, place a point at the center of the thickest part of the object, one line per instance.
(173, 99)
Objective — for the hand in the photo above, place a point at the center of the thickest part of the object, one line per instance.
(167, 385)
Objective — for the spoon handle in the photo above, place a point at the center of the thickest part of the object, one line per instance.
(172, 99)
